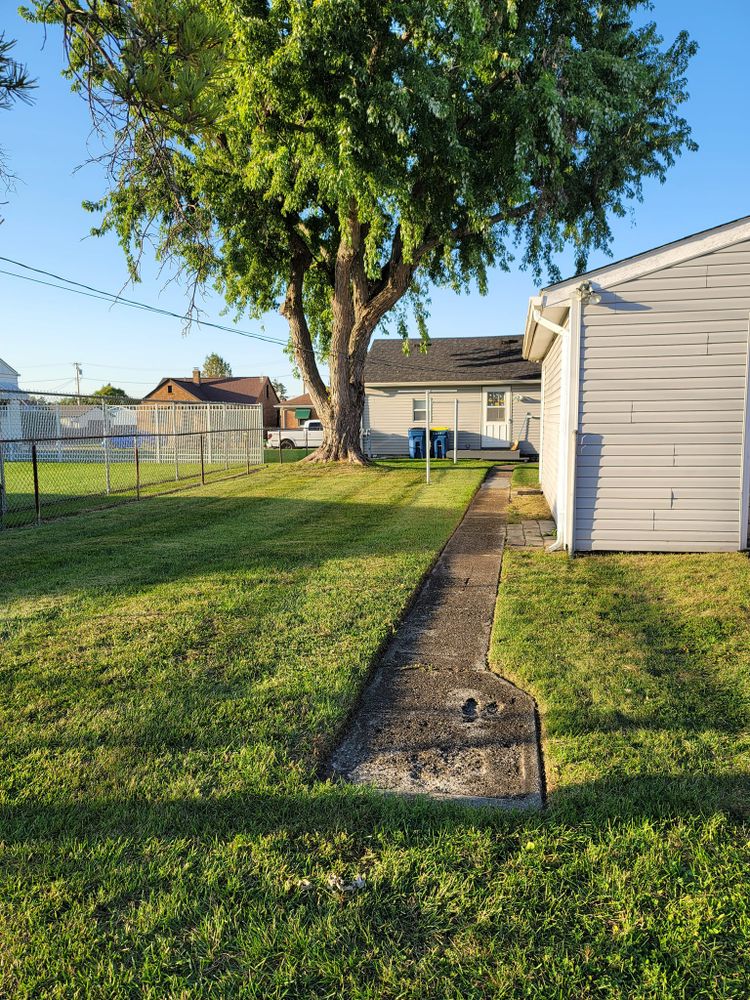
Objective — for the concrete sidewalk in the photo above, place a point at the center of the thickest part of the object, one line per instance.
(434, 719)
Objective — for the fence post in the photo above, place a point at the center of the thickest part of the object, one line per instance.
(224, 435)
(37, 504)
(137, 469)
(105, 422)
(176, 440)
(247, 450)
(158, 434)
(203, 467)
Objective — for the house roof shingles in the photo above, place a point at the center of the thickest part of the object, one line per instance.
(221, 390)
(450, 360)
(303, 400)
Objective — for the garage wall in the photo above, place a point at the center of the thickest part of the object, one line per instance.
(663, 363)
(551, 375)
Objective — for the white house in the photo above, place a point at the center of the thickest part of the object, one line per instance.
(498, 394)
(645, 398)
(10, 402)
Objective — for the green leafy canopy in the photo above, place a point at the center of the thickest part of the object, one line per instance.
(442, 135)
(214, 366)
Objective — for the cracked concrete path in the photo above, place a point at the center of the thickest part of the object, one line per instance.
(434, 719)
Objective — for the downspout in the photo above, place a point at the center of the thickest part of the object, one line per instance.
(574, 348)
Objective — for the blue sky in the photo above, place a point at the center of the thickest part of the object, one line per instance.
(43, 331)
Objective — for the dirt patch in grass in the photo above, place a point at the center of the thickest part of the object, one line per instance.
(525, 506)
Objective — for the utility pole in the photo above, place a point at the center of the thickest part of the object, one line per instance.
(79, 372)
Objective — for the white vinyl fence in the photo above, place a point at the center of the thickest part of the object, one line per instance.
(53, 456)
(70, 432)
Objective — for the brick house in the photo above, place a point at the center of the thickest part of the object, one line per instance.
(238, 389)
(293, 412)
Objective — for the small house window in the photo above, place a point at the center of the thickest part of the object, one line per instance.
(418, 410)
(266, 390)
(495, 407)
(169, 388)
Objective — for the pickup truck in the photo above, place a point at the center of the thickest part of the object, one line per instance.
(310, 435)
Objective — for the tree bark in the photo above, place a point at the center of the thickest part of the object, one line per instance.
(357, 307)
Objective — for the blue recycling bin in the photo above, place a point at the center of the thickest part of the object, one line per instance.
(417, 442)
(439, 444)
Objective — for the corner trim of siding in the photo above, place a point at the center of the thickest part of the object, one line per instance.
(575, 324)
(745, 457)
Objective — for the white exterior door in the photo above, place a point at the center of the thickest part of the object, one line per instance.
(495, 417)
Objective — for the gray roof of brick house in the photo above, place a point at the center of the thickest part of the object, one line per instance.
(451, 360)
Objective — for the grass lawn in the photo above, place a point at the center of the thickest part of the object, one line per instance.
(271, 455)
(522, 508)
(174, 672)
(71, 487)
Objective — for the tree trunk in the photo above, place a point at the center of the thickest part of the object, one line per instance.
(356, 310)
(342, 417)
(342, 435)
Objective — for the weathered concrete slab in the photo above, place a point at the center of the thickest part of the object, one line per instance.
(434, 720)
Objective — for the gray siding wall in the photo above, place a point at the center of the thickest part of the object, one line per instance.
(526, 416)
(551, 375)
(388, 416)
(662, 390)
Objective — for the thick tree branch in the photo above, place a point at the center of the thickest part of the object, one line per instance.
(293, 310)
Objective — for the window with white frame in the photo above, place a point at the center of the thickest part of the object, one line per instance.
(495, 407)
(419, 410)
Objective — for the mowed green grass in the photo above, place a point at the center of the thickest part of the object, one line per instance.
(72, 487)
(641, 669)
(526, 475)
(524, 508)
(174, 674)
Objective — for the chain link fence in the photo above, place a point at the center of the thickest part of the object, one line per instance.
(59, 458)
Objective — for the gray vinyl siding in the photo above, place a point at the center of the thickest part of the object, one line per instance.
(662, 408)
(551, 380)
(389, 415)
(526, 418)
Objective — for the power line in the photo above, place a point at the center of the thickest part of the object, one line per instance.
(89, 291)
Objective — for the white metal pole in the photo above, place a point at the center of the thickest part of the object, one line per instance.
(427, 422)
(455, 430)
(105, 439)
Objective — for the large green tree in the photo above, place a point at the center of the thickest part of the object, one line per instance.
(15, 85)
(337, 157)
(214, 366)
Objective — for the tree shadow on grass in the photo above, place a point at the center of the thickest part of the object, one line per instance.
(178, 537)
(329, 808)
